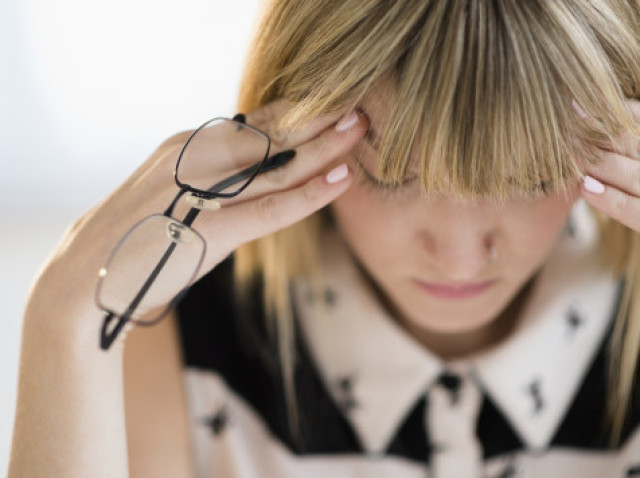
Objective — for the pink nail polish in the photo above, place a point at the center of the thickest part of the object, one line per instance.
(593, 185)
(347, 122)
(337, 174)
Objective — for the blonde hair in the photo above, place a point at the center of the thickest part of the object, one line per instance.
(484, 95)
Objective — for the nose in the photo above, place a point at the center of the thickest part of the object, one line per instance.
(461, 244)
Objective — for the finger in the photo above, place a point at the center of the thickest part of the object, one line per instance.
(311, 158)
(221, 149)
(232, 226)
(613, 202)
(629, 143)
(634, 107)
(617, 170)
(267, 118)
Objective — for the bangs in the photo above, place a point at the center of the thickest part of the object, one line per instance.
(483, 93)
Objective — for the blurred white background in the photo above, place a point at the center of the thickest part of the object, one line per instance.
(87, 91)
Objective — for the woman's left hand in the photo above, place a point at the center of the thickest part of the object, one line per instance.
(613, 185)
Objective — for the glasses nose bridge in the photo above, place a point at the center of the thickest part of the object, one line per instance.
(120, 293)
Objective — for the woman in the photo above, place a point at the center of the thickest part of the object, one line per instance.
(446, 312)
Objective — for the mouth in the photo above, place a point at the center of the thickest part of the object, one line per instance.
(464, 290)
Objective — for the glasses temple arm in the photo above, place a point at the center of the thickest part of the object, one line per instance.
(277, 160)
(271, 163)
(108, 339)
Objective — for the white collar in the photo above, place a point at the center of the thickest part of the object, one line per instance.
(377, 372)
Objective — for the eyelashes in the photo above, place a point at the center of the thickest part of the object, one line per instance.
(366, 178)
(541, 189)
(366, 157)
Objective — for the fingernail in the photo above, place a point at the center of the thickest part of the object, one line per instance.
(337, 174)
(579, 110)
(347, 122)
(593, 185)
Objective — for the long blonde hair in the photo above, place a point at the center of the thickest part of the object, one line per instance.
(483, 94)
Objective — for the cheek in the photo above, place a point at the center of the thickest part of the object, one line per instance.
(368, 221)
(537, 227)
(377, 228)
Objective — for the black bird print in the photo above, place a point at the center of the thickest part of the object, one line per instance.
(345, 389)
(633, 471)
(574, 321)
(329, 296)
(534, 389)
(218, 422)
(434, 448)
(451, 382)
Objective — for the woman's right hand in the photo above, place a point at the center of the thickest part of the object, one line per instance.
(70, 415)
(273, 201)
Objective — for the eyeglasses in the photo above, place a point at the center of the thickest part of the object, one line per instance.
(156, 261)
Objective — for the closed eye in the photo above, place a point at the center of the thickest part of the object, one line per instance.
(541, 188)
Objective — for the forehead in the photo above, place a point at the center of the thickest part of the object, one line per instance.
(451, 148)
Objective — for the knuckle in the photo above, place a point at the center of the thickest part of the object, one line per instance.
(278, 136)
(266, 116)
(619, 204)
(278, 176)
(268, 208)
(261, 117)
(310, 193)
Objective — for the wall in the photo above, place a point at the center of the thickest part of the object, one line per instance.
(88, 90)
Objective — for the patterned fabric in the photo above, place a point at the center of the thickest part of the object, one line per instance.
(373, 402)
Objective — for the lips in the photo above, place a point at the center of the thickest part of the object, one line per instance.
(455, 291)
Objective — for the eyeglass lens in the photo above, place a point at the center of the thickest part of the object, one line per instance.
(160, 256)
(166, 253)
(217, 148)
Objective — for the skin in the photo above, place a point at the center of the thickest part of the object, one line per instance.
(619, 173)
(402, 238)
(68, 387)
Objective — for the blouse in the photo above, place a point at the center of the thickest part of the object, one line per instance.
(371, 401)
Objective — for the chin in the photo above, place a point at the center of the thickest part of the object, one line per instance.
(454, 326)
(457, 317)
(497, 310)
